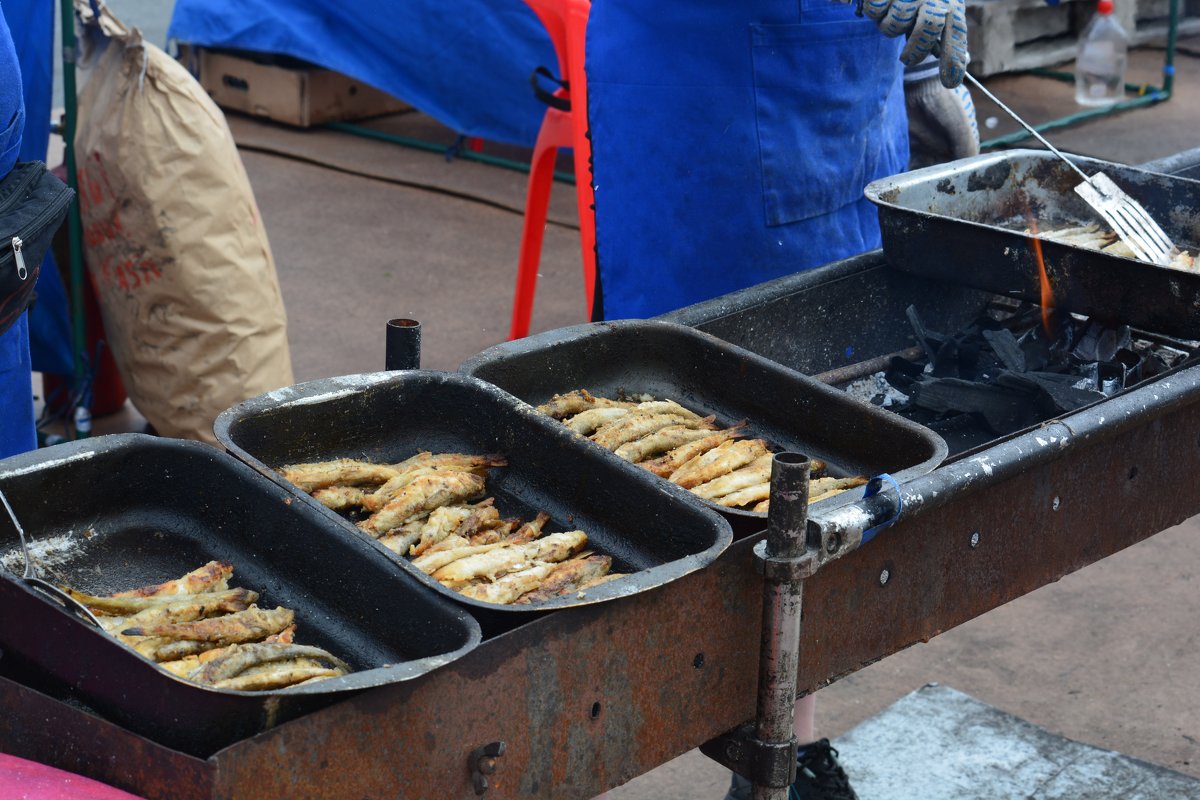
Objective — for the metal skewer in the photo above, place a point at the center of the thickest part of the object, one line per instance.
(1132, 223)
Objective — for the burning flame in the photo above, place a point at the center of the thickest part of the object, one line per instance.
(1043, 279)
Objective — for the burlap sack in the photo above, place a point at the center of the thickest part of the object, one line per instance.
(174, 241)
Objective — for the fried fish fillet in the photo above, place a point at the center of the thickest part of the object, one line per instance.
(422, 496)
(341, 471)
(501, 533)
(212, 577)
(566, 577)
(243, 626)
(662, 440)
(635, 425)
(463, 462)
(665, 407)
(508, 588)
(240, 657)
(119, 606)
(612, 576)
(663, 467)
(440, 523)
(756, 472)
(340, 498)
(493, 563)
(586, 422)
(565, 405)
(279, 678)
(158, 648)
(823, 488)
(719, 461)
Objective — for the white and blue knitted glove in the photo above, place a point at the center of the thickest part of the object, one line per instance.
(941, 121)
(932, 26)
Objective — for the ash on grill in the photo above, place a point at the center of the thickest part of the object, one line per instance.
(1010, 370)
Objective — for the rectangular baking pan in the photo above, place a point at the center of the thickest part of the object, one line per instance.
(118, 512)
(389, 416)
(963, 222)
(711, 376)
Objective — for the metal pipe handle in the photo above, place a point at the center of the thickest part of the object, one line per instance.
(403, 344)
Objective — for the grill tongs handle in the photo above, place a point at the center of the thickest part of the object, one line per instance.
(33, 579)
(1132, 223)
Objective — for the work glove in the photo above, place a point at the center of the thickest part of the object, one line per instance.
(941, 121)
(932, 26)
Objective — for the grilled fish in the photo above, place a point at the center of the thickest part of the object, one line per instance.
(433, 464)
(635, 425)
(568, 576)
(756, 472)
(508, 588)
(240, 657)
(719, 461)
(461, 462)
(186, 608)
(662, 440)
(744, 497)
(587, 422)
(341, 471)
(500, 533)
(285, 675)
(432, 561)
(399, 540)
(157, 648)
(493, 563)
(212, 577)
(440, 523)
(423, 495)
(565, 405)
(612, 576)
(118, 606)
(665, 407)
(243, 626)
(663, 467)
(822, 488)
(340, 498)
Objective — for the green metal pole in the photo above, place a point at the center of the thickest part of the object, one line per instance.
(83, 424)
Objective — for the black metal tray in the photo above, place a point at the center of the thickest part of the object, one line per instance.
(117, 512)
(948, 222)
(710, 376)
(388, 416)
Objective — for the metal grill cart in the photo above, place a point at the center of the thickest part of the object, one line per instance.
(570, 703)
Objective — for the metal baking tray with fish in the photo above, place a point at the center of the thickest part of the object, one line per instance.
(387, 417)
(118, 512)
(965, 222)
(712, 377)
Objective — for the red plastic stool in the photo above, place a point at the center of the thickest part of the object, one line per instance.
(30, 780)
(566, 22)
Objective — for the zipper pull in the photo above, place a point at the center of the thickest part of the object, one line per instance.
(17, 244)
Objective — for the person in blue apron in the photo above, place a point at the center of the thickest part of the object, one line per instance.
(17, 432)
(731, 142)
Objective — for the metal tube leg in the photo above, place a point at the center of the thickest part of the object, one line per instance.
(785, 560)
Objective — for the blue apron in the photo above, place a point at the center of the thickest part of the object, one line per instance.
(16, 394)
(732, 141)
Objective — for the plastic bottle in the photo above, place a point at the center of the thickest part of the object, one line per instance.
(1103, 56)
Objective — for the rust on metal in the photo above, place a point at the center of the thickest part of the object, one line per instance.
(588, 698)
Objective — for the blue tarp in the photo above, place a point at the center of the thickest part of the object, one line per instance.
(466, 63)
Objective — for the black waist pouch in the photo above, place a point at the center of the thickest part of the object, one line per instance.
(33, 204)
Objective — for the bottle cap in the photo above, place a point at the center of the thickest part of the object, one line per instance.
(1105, 7)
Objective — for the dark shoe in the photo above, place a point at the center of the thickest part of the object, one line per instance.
(819, 776)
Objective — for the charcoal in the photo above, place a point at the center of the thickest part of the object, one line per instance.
(1053, 393)
(1006, 348)
(928, 344)
(1002, 410)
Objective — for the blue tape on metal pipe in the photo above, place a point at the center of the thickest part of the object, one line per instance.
(874, 486)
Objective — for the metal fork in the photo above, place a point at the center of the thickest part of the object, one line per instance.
(1132, 223)
(31, 577)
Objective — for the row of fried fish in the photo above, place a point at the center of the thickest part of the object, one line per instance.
(1093, 237)
(678, 444)
(429, 508)
(198, 628)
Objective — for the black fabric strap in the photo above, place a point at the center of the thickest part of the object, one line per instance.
(549, 98)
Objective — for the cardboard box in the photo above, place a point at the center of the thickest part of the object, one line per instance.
(285, 90)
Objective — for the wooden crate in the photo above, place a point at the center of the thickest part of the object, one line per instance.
(284, 90)
(1011, 35)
